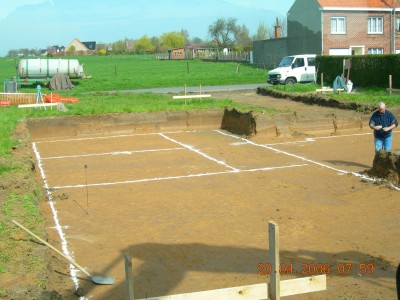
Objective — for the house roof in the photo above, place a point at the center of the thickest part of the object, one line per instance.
(355, 3)
(77, 43)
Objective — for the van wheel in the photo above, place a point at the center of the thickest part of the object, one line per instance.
(290, 81)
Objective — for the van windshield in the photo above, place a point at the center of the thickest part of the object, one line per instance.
(286, 61)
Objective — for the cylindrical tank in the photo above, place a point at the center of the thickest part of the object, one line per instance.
(45, 68)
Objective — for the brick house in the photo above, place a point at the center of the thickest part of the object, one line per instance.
(334, 27)
(343, 27)
(177, 54)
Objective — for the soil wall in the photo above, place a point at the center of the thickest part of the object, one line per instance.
(125, 123)
(248, 124)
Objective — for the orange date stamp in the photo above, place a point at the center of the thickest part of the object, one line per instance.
(319, 269)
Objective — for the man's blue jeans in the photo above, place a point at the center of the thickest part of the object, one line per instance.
(383, 143)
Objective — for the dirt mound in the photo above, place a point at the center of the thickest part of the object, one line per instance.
(239, 123)
(387, 166)
(314, 99)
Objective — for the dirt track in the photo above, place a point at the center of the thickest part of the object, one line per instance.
(192, 207)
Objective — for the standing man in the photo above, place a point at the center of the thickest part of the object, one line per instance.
(382, 122)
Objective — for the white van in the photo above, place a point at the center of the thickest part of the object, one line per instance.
(293, 69)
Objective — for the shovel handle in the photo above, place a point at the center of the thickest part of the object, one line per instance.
(51, 247)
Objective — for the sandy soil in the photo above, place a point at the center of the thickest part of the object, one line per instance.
(197, 220)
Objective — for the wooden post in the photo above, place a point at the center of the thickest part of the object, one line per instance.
(129, 277)
(187, 67)
(322, 80)
(238, 68)
(185, 94)
(390, 84)
(115, 71)
(275, 278)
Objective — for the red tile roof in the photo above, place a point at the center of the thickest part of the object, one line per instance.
(356, 3)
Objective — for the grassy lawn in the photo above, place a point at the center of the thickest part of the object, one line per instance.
(142, 71)
(367, 95)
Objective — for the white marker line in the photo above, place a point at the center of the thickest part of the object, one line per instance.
(112, 137)
(365, 177)
(112, 153)
(191, 148)
(175, 177)
(64, 243)
(308, 140)
(281, 152)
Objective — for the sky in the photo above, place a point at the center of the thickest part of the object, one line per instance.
(36, 24)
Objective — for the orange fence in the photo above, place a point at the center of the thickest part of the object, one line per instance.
(18, 98)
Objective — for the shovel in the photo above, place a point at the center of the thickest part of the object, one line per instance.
(95, 279)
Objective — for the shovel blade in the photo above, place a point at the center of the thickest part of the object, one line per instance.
(102, 279)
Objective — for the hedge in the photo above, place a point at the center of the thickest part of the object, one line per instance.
(366, 70)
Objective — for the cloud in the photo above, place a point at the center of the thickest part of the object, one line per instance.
(9, 7)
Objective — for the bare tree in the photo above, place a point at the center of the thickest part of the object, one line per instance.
(185, 35)
(242, 37)
(222, 32)
(262, 32)
(197, 41)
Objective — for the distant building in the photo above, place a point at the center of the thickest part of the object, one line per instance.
(177, 54)
(90, 45)
(84, 47)
(333, 27)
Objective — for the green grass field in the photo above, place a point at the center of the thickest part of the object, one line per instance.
(142, 71)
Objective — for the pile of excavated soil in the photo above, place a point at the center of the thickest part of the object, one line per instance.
(387, 166)
(239, 123)
(316, 99)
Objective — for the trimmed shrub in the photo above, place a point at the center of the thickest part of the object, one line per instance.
(366, 70)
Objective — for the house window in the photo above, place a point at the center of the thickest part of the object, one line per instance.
(338, 25)
(375, 25)
(398, 24)
(375, 51)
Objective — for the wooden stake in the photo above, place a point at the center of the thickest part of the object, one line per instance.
(185, 95)
(115, 71)
(322, 80)
(129, 277)
(390, 84)
(187, 67)
(275, 290)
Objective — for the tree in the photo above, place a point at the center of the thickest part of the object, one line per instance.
(172, 40)
(283, 24)
(222, 32)
(262, 32)
(197, 41)
(185, 35)
(71, 49)
(119, 47)
(144, 45)
(156, 42)
(242, 37)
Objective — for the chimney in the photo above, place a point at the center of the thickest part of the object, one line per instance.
(277, 29)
